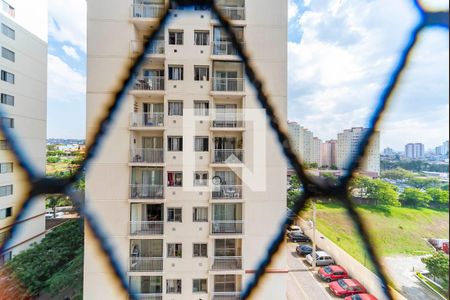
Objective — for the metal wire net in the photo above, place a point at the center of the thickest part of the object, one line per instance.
(313, 189)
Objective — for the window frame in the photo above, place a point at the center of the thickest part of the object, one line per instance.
(203, 109)
(200, 180)
(8, 31)
(5, 213)
(202, 282)
(195, 214)
(177, 284)
(6, 168)
(7, 99)
(171, 75)
(202, 148)
(202, 250)
(6, 190)
(197, 74)
(7, 77)
(199, 36)
(8, 54)
(170, 144)
(176, 40)
(178, 112)
(176, 213)
(174, 250)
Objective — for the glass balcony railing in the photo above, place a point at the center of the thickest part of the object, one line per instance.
(227, 227)
(227, 263)
(147, 11)
(144, 191)
(228, 156)
(146, 228)
(140, 120)
(228, 84)
(147, 155)
(146, 264)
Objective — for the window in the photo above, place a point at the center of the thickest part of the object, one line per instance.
(175, 143)
(4, 145)
(6, 168)
(176, 37)
(201, 179)
(8, 54)
(201, 108)
(175, 108)
(8, 77)
(5, 213)
(201, 38)
(6, 190)
(173, 286)
(174, 215)
(175, 179)
(8, 31)
(200, 250)
(176, 73)
(8, 122)
(8, 8)
(200, 214)
(201, 73)
(199, 286)
(201, 144)
(174, 250)
(7, 99)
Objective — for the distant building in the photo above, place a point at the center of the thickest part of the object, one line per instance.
(329, 153)
(347, 147)
(305, 144)
(414, 150)
(442, 150)
(388, 152)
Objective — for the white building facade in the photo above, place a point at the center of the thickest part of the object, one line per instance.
(174, 184)
(329, 153)
(23, 89)
(305, 144)
(414, 150)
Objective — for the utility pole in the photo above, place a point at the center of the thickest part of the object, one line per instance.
(314, 235)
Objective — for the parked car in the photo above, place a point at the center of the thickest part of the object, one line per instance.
(347, 287)
(58, 215)
(303, 250)
(297, 236)
(332, 273)
(322, 259)
(361, 297)
(293, 228)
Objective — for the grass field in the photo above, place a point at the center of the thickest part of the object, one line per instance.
(395, 231)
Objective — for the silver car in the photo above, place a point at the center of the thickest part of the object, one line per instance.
(322, 259)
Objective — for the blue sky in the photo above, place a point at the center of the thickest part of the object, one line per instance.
(340, 55)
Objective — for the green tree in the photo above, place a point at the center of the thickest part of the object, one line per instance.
(398, 174)
(383, 193)
(53, 159)
(294, 191)
(439, 197)
(415, 198)
(361, 186)
(424, 183)
(438, 266)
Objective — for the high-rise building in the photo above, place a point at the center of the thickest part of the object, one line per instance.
(347, 146)
(329, 153)
(414, 151)
(305, 144)
(190, 184)
(23, 92)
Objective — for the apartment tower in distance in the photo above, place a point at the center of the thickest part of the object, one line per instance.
(308, 147)
(174, 183)
(347, 146)
(23, 89)
(415, 151)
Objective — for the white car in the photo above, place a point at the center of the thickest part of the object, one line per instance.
(294, 228)
(322, 259)
(58, 215)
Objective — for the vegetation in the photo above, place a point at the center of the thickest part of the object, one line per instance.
(415, 198)
(438, 266)
(413, 165)
(55, 265)
(395, 230)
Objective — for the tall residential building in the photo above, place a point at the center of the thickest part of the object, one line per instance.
(316, 151)
(329, 153)
(443, 149)
(414, 151)
(347, 147)
(23, 92)
(190, 184)
(305, 144)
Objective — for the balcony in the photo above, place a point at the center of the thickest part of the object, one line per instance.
(227, 156)
(227, 263)
(226, 296)
(227, 227)
(228, 120)
(147, 156)
(146, 264)
(228, 84)
(224, 48)
(156, 48)
(144, 191)
(225, 192)
(146, 228)
(149, 84)
(147, 11)
(234, 13)
(147, 120)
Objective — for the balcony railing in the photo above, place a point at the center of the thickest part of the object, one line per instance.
(155, 83)
(226, 296)
(147, 120)
(228, 192)
(147, 155)
(229, 156)
(148, 296)
(146, 264)
(157, 47)
(227, 227)
(224, 263)
(144, 191)
(233, 12)
(228, 120)
(224, 48)
(146, 228)
(147, 10)
(228, 84)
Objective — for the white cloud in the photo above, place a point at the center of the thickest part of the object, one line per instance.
(67, 22)
(71, 51)
(292, 9)
(347, 51)
(64, 83)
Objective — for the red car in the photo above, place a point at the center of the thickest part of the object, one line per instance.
(361, 297)
(347, 287)
(332, 273)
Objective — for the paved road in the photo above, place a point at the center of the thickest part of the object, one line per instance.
(302, 284)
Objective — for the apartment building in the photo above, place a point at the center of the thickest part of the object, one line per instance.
(347, 147)
(306, 145)
(329, 153)
(414, 150)
(174, 183)
(23, 91)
